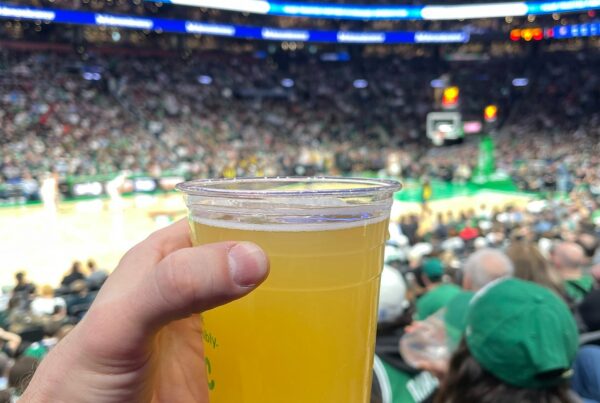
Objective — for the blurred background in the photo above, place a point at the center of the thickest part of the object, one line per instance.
(488, 113)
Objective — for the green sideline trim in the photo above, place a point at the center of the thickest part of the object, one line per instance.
(411, 190)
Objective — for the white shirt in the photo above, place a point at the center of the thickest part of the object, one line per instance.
(41, 306)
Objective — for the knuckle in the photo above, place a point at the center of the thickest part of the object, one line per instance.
(128, 256)
(154, 239)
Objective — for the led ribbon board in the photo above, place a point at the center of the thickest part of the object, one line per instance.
(237, 31)
(367, 12)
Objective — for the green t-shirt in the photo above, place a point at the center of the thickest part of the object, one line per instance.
(577, 289)
(455, 317)
(400, 387)
(435, 299)
(36, 350)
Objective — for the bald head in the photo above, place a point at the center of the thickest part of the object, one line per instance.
(485, 266)
(568, 256)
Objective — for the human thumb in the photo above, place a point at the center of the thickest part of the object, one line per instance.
(196, 279)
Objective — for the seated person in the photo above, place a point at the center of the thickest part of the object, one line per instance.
(74, 275)
(586, 377)
(589, 312)
(46, 304)
(519, 346)
(22, 286)
(568, 259)
(80, 299)
(437, 293)
(96, 276)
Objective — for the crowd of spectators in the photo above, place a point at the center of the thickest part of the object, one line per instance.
(241, 116)
(436, 303)
(34, 318)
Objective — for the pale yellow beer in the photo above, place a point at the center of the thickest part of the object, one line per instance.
(307, 334)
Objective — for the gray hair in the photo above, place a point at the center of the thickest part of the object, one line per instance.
(487, 265)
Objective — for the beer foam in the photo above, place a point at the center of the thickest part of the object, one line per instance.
(289, 226)
(351, 205)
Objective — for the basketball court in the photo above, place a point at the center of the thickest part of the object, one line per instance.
(45, 241)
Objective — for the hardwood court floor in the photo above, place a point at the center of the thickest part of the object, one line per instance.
(45, 243)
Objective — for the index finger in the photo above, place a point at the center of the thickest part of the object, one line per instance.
(159, 244)
(171, 238)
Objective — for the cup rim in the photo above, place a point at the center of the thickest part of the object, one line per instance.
(207, 187)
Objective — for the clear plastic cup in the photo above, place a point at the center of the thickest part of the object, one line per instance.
(427, 342)
(307, 334)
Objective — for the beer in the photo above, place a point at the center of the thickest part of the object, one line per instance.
(307, 334)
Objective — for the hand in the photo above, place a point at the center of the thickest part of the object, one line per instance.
(438, 368)
(13, 341)
(141, 339)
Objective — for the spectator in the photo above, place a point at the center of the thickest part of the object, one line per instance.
(520, 344)
(53, 335)
(20, 318)
(22, 288)
(480, 269)
(46, 304)
(409, 226)
(80, 299)
(589, 312)
(586, 376)
(589, 243)
(469, 232)
(392, 296)
(437, 293)
(96, 277)
(568, 259)
(74, 275)
(485, 266)
(51, 310)
(530, 265)
(441, 228)
(455, 318)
